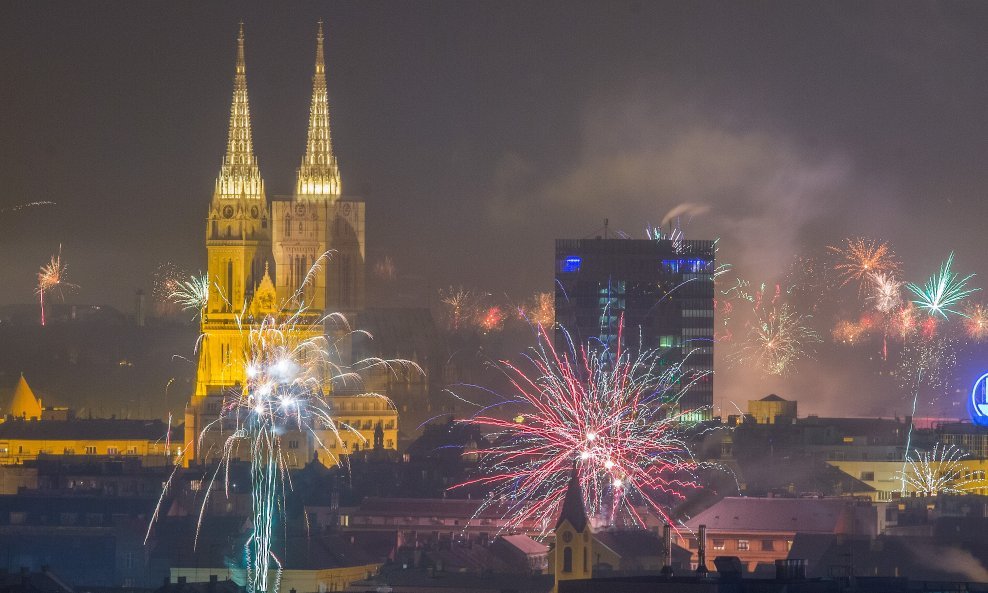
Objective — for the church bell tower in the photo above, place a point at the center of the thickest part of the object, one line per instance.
(238, 245)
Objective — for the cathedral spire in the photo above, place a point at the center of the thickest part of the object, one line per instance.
(319, 174)
(239, 175)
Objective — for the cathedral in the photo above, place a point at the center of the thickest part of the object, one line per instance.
(260, 253)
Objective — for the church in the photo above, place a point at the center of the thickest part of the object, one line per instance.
(266, 257)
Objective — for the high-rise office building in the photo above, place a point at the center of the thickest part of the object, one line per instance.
(664, 291)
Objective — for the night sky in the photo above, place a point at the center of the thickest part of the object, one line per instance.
(478, 132)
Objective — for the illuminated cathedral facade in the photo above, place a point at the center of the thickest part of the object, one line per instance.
(261, 261)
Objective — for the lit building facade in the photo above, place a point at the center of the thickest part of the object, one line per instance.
(260, 254)
(664, 291)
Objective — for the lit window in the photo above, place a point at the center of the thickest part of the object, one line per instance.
(742, 545)
(720, 544)
(90, 450)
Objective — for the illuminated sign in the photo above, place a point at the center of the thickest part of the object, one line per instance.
(571, 264)
(977, 406)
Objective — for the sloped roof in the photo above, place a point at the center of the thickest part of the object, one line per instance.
(24, 404)
(526, 544)
(632, 543)
(88, 429)
(772, 398)
(806, 515)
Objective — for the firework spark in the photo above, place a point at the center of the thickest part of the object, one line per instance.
(939, 471)
(51, 279)
(943, 290)
(777, 339)
(616, 415)
(859, 258)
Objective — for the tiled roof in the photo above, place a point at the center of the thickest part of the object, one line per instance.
(807, 515)
(88, 429)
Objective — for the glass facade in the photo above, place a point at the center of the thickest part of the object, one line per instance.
(663, 289)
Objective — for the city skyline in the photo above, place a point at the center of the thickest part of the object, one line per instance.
(781, 144)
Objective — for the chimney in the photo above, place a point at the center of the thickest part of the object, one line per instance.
(701, 560)
(667, 550)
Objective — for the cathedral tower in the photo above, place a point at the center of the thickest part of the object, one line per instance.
(238, 245)
(315, 219)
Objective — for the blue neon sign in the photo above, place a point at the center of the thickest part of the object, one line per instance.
(571, 264)
(977, 406)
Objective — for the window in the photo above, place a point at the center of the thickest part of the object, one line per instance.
(767, 545)
(390, 444)
(293, 444)
(742, 545)
(720, 544)
(788, 545)
(868, 476)
(567, 559)
(112, 451)
(692, 543)
(91, 450)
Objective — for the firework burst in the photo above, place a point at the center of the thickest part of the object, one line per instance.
(976, 322)
(51, 279)
(939, 471)
(191, 294)
(859, 258)
(944, 290)
(290, 368)
(539, 310)
(461, 306)
(885, 292)
(777, 339)
(616, 415)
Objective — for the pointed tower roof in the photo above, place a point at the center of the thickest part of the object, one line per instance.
(24, 404)
(239, 175)
(319, 174)
(573, 509)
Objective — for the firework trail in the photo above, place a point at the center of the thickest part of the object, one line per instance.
(26, 205)
(291, 368)
(777, 339)
(859, 258)
(943, 290)
(615, 414)
(939, 471)
(51, 278)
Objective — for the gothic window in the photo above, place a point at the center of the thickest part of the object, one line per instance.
(584, 559)
(346, 287)
(567, 559)
(229, 278)
(288, 225)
